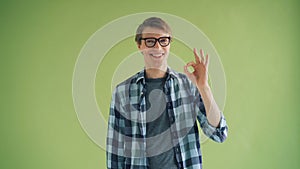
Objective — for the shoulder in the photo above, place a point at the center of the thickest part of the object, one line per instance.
(184, 83)
(181, 78)
(124, 85)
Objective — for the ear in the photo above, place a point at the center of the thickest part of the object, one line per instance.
(138, 45)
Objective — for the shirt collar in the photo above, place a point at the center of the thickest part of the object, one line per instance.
(170, 74)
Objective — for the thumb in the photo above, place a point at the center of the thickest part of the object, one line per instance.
(187, 72)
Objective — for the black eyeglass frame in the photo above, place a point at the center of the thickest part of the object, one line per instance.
(157, 39)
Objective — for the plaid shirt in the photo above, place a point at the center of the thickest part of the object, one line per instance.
(126, 137)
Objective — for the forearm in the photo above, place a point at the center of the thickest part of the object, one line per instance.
(212, 110)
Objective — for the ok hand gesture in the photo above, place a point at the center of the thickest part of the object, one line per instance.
(200, 74)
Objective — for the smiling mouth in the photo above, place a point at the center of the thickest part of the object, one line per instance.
(157, 55)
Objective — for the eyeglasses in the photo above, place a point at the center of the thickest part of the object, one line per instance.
(163, 41)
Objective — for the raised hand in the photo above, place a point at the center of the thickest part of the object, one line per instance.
(200, 74)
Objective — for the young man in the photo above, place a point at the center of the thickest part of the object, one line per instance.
(152, 122)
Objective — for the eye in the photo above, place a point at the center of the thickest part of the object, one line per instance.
(164, 40)
(150, 42)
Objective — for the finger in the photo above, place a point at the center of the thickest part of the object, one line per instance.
(186, 71)
(202, 56)
(193, 64)
(206, 60)
(187, 66)
(196, 56)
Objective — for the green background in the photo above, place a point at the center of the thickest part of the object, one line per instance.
(258, 44)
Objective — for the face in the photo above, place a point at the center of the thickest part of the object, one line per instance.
(156, 56)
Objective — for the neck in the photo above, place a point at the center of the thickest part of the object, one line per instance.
(153, 73)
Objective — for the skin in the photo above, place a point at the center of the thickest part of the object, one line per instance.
(155, 60)
(200, 78)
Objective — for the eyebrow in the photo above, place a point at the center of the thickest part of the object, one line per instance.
(157, 37)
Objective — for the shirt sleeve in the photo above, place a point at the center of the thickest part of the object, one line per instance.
(115, 140)
(218, 134)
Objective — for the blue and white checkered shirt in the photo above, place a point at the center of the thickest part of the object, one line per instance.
(126, 137)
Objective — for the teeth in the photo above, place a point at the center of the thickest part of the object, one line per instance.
(157, 55)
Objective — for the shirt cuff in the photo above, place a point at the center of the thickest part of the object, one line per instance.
(219, 134)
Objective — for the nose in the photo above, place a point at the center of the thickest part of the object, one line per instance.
(157, 45)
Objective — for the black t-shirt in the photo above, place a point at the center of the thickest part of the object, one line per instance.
(158, 123)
